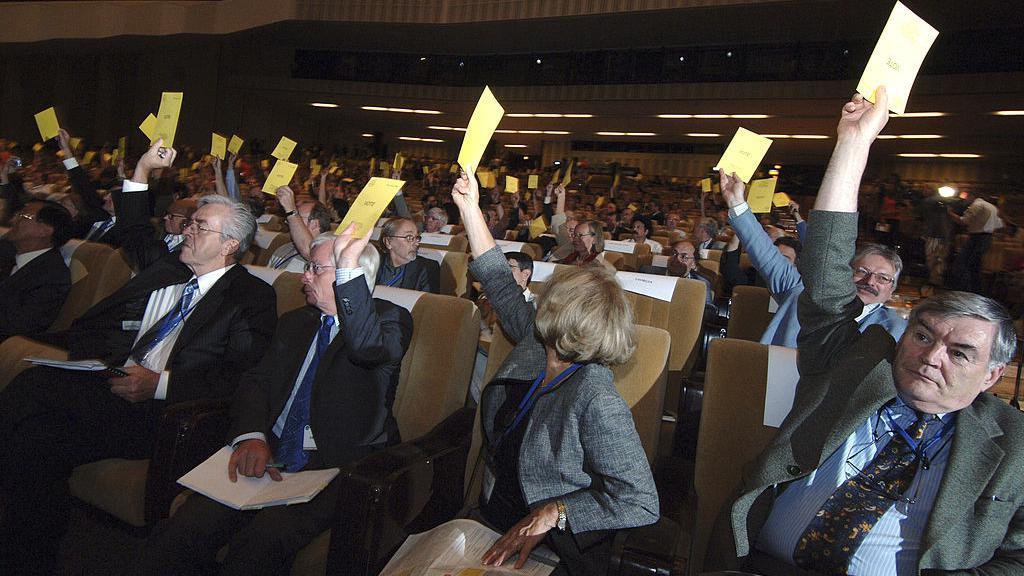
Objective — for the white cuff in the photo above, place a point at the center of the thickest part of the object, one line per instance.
(70, 163)
(133, 186)
(738, 210)
(343, 275)
(249, 436)
(161, 385)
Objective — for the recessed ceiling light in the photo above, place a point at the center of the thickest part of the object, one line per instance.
(1009, 113)
(640, 134)
(749, 116)
(515, 145)
(505, 131)
(402, 110)
(410, 138)
(919, 115)
(431, 140)
(519, 115)
(610, 133)
(374, 108)
(547, 115)
(960, 155)
(887, 136)
(577, 115)
(810, 137)
(427, 111)
(530, 132)
(711, 116)
(367, 135)
(919, 136)
(947, 191)
(558, 132)
(675, 115)
(702, 134)
(917, 155)
(323, 105)
(440, 127)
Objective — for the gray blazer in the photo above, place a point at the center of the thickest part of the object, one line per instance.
(846, 375)
(580, 443)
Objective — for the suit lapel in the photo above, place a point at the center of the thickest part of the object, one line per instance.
(865, 400)
(973, 460)
(35, 267)
(207, 307)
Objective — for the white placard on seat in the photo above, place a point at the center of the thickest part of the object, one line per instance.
(435, 255)
(781, 390)
(542, 271)
(659, 260)
(264, 238)
(619, 246)
(436, 239)
(660, 287)
(267, 274)
(399, 296)
(509, 245)
(447, 229)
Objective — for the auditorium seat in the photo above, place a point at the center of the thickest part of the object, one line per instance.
(273, 241)
(287, 287)
(732, 431)
(454, 270)
(459, 243)
(748, 314)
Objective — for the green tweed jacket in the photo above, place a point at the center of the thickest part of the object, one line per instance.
(977, 524)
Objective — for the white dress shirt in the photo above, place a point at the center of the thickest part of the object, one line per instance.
(20, 260)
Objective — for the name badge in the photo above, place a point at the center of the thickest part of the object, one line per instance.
(129, 325)
(307, 439)
(488, 484)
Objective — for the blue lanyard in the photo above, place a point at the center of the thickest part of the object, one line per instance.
(920, 449)
(397, 279)
(526, 404)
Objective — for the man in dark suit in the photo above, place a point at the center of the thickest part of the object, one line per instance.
(892, 460)
(321, 397)
(401, 267)
(33, 290)
(182, 330)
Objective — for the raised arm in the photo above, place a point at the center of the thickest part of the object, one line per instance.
(301, 236)
(859, 125)
(231, 181)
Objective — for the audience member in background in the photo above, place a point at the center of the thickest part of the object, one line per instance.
(435, 220)
(400, 266)
(672, 224)
(178, 214)
(936, 232)
(704, 232)
(563, 224)
(33, 288)
(184, 330)
(563, 465)
(980, 220)
(641, 233)
(332, 368)
(876, 270)
(494, 224)
(98, 212)
(306, 221)
(683, 262)
(654, 213)
(625, 223)
(588, 245)
(892, 460)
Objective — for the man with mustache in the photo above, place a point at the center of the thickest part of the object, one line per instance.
(892, 459)
(876, 271)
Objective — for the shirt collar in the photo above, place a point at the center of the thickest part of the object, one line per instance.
(206, 281)
(868, 309)
(20, 260)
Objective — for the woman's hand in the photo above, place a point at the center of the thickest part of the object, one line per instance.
(523, 537)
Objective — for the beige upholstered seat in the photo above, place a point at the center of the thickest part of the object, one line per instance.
(262, 258)
(732, 432)
(748, 314)
(287, 287)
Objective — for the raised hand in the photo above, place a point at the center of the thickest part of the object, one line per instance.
(347, 248)
(156, 157)
(286, 197)
(733, 188)
(466, 191)
(862, 119)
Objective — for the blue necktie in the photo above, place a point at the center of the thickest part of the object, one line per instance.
(289, 451)
(100, 230)
(166, 324)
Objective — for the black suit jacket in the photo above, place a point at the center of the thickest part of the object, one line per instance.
(31, 298)
(355, 383)
(226, 333)
(421, 274)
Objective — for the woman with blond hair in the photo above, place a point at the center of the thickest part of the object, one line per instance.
(563, 463)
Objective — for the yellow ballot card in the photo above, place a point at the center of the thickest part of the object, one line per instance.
(122, 147)
(633, 207)
(373, 166)
(568, 174)
(280, 175)
(315, 170)
(511, 184)
(705, 185)
(897, 57)
(219, 146)
(47, 123)
(486, 179)
(148, 127)
(235, 144)
(760, 195)
(75, 143)
(453, 169)
(285, 147)
(556, 176)
(370, 204)
(37, 146)
(426, 170)
(87, 158)
(599, 202)
(744, 154)
(399, 161)
(167, 118)
(479, 131)
(532, 181)
(780, 200)
(538, 227)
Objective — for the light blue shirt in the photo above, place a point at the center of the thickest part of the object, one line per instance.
(894, 545)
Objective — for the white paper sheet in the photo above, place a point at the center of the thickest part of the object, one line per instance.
(659, 260)
(542, 271)
(619, 246)
(435, 255)
(436, 239)
(660, 287)
(509, 246)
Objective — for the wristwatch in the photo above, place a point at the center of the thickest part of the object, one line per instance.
(561, 515)
(289, 213)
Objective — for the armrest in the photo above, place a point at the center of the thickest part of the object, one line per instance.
(398, 491)
(187, 433)
(647, 550)
(13, 349)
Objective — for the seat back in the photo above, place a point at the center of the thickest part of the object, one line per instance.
(731, 433)
(748, 314)
(87, 262)
(454, 270)
(459, 243)
(277, 239)
(287, 287)
(439, 362)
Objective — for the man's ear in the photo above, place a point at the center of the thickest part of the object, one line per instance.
(992, 377)
(229, 247)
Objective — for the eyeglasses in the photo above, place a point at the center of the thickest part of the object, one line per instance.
(409, 237)
(317, 269)
(882, 278)
(574, 235)
(190, 223)
(29, 217)
(170, 216)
